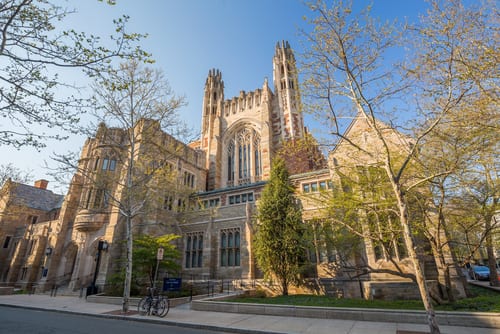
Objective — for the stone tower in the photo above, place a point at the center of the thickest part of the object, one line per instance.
(287, 120)
(240, 135)
(211, 128)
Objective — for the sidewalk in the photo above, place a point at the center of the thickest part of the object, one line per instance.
(232, 322)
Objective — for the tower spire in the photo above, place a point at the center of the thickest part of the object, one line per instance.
(213, 100)
(286, 88)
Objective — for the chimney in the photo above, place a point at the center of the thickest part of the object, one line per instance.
(41, 184)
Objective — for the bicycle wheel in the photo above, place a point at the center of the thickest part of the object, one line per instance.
(163, 307)
(144, 306)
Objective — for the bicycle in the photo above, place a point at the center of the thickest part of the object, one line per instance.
(154, 304)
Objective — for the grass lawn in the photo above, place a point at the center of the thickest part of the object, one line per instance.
(484, 300)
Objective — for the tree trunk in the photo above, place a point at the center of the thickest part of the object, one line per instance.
(443, 274)
(128, 268)
(492, 263)
(284, 287)
(419, 274)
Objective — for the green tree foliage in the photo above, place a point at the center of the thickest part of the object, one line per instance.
(363, 208)
(279, 240)
(145, 261)
(145, 251)
(33, 52)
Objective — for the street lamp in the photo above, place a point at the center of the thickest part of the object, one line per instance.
(45, 270)
(101, 246)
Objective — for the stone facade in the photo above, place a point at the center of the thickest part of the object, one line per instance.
(31, 220)
(225, 170)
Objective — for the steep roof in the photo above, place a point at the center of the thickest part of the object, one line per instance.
(35, 198)
(359, 125)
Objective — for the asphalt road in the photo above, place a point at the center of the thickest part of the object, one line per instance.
(26, 321)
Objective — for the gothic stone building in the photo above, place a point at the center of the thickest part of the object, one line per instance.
(226, 168)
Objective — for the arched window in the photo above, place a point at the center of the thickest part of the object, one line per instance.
(244, 140)
(244, 158)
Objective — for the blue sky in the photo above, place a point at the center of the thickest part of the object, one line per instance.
(188, 38)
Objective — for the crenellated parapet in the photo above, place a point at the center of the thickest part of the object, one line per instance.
(246, 102)
(271, 117)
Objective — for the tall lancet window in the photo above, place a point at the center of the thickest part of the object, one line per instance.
(230, 163)
(257, 156)
(244, 155)
(244, 158)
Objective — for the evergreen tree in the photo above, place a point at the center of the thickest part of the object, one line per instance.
(279, 241)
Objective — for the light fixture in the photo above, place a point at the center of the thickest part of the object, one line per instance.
(102, 245)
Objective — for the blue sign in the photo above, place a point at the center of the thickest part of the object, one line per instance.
(172, 284)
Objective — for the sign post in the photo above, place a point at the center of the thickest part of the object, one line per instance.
(159, 257)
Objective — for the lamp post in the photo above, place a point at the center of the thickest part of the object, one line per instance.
(45, 269)
(159, 257)
(101, 246)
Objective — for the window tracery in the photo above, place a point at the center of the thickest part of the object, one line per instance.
(244, 158)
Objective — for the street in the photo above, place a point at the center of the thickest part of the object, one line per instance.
(27, 321)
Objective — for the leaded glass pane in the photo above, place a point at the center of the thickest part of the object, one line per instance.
(237, 257)
(237, 239)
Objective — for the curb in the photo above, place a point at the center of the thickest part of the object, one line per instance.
(150, 320)
(446, 318)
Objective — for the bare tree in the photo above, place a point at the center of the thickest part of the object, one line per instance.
(9, 171)
(459, 58)
(135, 109)
(347, 76)
(32, 51)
